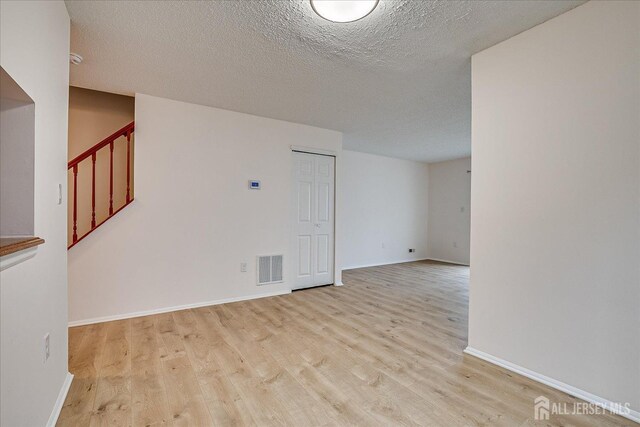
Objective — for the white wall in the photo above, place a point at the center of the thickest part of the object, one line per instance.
(34, 49)
(555, 243)
(17, 127)
(384, 210)
(449, 210)
(193, 220)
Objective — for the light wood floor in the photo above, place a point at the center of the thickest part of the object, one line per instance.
(385, 349)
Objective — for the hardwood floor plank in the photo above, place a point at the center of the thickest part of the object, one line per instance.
(84, 363)
(221, 397)
(148, 396)
(385, 349)
(252, 377)
(112, 405)
(186, 404)
(370, 353)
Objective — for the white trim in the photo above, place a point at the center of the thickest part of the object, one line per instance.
(62, 395)
(312, 150)
(174, 308)
(558, 385)
(378, 264)
(447, 261)
(338, 284)
(10, 260)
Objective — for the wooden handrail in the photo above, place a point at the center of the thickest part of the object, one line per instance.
(127, 130)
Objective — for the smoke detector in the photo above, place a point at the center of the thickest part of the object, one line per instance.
(75, 59)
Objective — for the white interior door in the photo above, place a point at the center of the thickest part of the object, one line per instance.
(313, 213)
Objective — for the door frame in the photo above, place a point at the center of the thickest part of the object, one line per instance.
(337, 268)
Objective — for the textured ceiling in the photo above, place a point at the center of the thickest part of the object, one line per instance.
(397, 83)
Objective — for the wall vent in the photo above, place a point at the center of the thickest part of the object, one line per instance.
(270, 269)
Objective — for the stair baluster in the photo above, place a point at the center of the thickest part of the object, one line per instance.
(128, 164)
(111, 178)
(75, 203)
(93, 190)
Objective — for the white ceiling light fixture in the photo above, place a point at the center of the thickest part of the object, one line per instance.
(343, 10)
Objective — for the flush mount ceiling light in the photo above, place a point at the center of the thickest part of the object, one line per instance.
(343, 10)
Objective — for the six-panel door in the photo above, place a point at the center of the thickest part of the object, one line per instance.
(313, 212)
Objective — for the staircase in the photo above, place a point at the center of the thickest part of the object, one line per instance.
(82, 161)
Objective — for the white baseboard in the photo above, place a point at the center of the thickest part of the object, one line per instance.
(447, 261)
(558, 385)
(378, 264)
(62, 395)
(174, 308)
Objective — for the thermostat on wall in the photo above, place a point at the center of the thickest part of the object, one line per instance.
(254, 185)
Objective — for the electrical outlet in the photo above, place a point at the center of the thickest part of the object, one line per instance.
(47, 348)
(382, 245)
(455, 244)
(411, 250)
(462, 209)
(243, 267)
